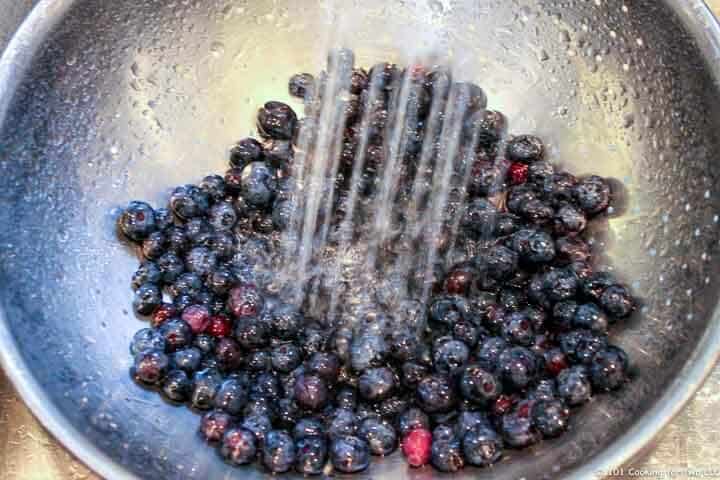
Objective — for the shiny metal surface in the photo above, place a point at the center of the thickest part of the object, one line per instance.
(116, 91)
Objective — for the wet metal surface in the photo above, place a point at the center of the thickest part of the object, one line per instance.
(27, 452)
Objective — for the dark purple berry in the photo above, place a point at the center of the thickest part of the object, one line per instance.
(137, 221)
(525, 149)
(238, 446)
(150, 366)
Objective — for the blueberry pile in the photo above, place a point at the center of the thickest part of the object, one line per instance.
(513, 336)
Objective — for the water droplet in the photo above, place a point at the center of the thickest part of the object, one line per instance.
(217, 49)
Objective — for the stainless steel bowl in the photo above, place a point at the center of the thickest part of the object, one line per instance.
(102, 102)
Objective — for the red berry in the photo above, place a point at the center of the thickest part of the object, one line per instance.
(219, 326)
(458, 282)
(502, 405)
(555, 362)
(163, 313)
(524, 408)
(197, 316)
(518, 173)
(417, 446)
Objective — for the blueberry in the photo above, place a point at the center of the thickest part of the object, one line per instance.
(411, 419)
(544, 390)
(147, 298)
(467, 333)
(560, 284)
(245, 301)
(447, 456)
(349, 454)
(222, 216)
(279, 154)
(411, 373)
(517, 329)
(608, 370)
(154, 245)
(325, 365)
(518, 431)
(285, 357)
(177, 240)
(342, 422)
(517, 367)
(488, 126)
(376, 384)
(258, 425)
(311, 392)
(436, 394)
(201, 261)
(301, 84)
(246, 151)
(594, 286)
(444, 433)
(506, 224)
(311, 455)
(468, 421)
(187, 359)
(188, 201)
(379, 435)
(147, 339)
(571, 250)
(478, 385)
(286, 322)
(214, 424)
(479, 218)
(537, 211)
(525, 149)
(534, 246)
(137, 221)
(346, 398)
(449, 355)
(177, 386)
(277, 120)
(252, 333)
(150, 366)
(204, 343)
(592, 194)
(482, 447)
(260, 406)
(449, 310)
(266, 386)
(238, 446)
(205, 385)
(258, 361)
(559, 189)
(564, 315)
(574, 385)
(278, 451)
(589, 316)
(488, 353)
(519, 195)
(581, 345)
(177, 334)
(500, 262)
(569, 220)
(308, 427)
(391, 407)
(617, 302)
(550, 417)
(231, 397)
(485, 179)
(540, 173)
(367, 351)
(171, 266)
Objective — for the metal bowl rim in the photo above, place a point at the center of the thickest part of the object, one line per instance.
(17, 58)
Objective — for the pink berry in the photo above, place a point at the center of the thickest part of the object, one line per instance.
(197, 316)
(417, 447)
(163, 313)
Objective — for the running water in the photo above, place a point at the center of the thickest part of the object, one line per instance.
(380, 185)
